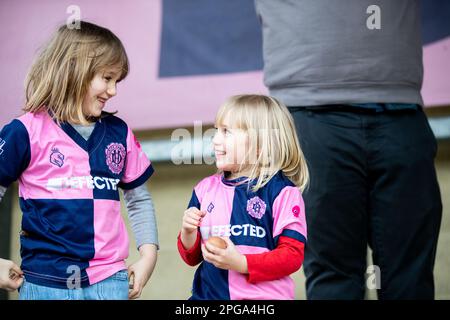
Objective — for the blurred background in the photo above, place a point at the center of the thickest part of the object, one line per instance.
(186, 58)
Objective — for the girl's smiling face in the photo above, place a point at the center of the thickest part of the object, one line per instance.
(102, 87)
(230, 148)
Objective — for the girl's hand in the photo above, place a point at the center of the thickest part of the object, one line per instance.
(139, 272)
(192, 218)
(11, 276)
(228, 259)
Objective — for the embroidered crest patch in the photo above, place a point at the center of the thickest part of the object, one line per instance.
(115, 157)
(256, 207)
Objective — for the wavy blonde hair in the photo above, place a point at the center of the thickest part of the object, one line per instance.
(60, 76)
(272, 140)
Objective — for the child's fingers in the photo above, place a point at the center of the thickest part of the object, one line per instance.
(194, 215)
(135, 292)
(216, 260)
(17, 269)
(11, 277)
(12, 285)
(191, 224)
(228, 241)
(18, 283)
(206, 255)
(213, 249)
(212, 252)
(130, 278)
(192, 221)
(133, 285)
(194, 212)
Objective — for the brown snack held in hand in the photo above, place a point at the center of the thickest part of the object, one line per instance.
(218, 242)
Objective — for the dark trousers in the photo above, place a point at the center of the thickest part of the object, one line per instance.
(373, 182)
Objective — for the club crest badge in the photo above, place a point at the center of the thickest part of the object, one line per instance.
(57, 158)
(115, 157)
(256, 207)
(296, 211)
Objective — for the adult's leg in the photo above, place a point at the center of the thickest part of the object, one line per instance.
(335, 202)
(405, 204)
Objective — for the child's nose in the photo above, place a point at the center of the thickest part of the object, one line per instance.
(216, 139)
(112, 91)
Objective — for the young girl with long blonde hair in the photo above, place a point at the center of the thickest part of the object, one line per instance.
(71, 158)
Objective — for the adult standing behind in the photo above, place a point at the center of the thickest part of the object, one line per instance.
(351, 72)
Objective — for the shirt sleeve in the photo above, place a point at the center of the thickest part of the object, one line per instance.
(138, 167)
(142, 217)
(289, 215)
(15, 152)
(193, 256)
(289, 232)
(284, 260)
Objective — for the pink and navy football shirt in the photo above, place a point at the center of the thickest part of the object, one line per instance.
(72, 229)
(253, 222)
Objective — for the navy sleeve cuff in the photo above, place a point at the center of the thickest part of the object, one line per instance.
(139, 181)
(291, 234)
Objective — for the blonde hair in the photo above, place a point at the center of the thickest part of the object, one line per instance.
(273, 141)
(61, 74)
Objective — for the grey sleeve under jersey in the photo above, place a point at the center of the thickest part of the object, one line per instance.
(141, 214)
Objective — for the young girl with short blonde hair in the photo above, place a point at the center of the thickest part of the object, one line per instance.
(253, 203)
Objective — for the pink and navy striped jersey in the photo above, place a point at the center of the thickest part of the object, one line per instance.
(254, 222)
(72, 229)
